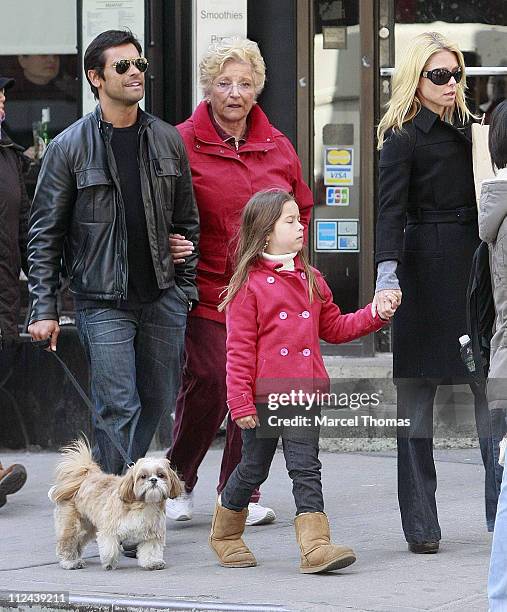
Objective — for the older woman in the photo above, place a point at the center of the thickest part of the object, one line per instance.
(234, 152)
(426, 237)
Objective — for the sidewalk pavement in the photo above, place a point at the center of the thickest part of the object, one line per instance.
(360, 494)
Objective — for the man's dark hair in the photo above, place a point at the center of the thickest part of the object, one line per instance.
(94, 54)
(498, 136)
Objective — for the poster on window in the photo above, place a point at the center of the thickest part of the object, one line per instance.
(337, 196)
(101, 15)
(338, 165)
(336, 235)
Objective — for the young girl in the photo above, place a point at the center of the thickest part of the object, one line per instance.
(277, 308)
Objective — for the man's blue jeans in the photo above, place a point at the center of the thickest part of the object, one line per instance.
(135, 359)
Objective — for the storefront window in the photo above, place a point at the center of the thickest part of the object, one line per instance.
(42, 81)
(43, 62)
(337, 128)
(38, 48)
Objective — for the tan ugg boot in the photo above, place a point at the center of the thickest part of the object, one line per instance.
(317, 552)
(225, 537)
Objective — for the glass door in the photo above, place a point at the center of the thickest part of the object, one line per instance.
(336, 238)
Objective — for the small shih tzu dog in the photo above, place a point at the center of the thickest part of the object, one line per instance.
(113, 509)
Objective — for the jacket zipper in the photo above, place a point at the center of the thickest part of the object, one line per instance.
(122, 272)
(146, 168)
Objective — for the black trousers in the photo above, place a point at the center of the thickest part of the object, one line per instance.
(417, 479)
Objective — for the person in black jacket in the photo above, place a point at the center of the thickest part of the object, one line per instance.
(111, 189)
(14, 208)
(426, 236)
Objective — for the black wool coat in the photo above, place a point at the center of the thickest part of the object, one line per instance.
(425, 175)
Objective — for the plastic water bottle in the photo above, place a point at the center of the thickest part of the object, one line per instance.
(467, 353)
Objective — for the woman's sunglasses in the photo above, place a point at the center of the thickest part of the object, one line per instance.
(441, 76)
(121, 66)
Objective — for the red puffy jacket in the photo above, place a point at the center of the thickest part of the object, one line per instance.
(273, 334)
(224, 180)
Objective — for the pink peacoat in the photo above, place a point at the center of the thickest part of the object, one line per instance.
(273, 334)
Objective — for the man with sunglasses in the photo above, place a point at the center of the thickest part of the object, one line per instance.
(112, 187)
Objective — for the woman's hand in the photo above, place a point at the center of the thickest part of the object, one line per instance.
(386, 302)
(180, 248)
(248, 422)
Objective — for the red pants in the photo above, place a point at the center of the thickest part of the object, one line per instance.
(201, 405)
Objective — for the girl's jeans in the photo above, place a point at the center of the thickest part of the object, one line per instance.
(303, 466)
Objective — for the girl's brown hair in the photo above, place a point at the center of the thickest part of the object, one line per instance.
(260, 214)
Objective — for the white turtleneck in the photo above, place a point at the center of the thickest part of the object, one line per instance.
(287, 260)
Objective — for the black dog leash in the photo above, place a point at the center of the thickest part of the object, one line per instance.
(44, 344)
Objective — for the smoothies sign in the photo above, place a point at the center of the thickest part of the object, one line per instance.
(214, 20)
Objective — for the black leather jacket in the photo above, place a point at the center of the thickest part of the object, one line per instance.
(78, 217)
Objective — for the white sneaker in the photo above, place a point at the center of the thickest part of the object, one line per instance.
(181, 508)
(259, 515)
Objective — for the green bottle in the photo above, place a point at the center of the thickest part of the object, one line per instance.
(44, 126)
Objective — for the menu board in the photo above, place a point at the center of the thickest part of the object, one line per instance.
(101, 15)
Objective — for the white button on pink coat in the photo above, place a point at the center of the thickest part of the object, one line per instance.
(306, 352)
(283, 315)
(270, 279)
(303, 275)
(305, 314)
(284, 351)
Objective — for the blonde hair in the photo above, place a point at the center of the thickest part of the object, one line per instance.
(232, 50)
(404, 103)
(260, 214)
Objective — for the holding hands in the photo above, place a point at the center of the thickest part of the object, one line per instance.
(385, 302)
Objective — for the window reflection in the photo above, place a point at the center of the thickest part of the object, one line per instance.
(496, 92)
(42, 81)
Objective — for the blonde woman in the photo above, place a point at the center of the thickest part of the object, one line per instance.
(426, 237)
(233, 152)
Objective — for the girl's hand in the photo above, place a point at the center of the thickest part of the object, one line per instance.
(386, 302)
(248, 422)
